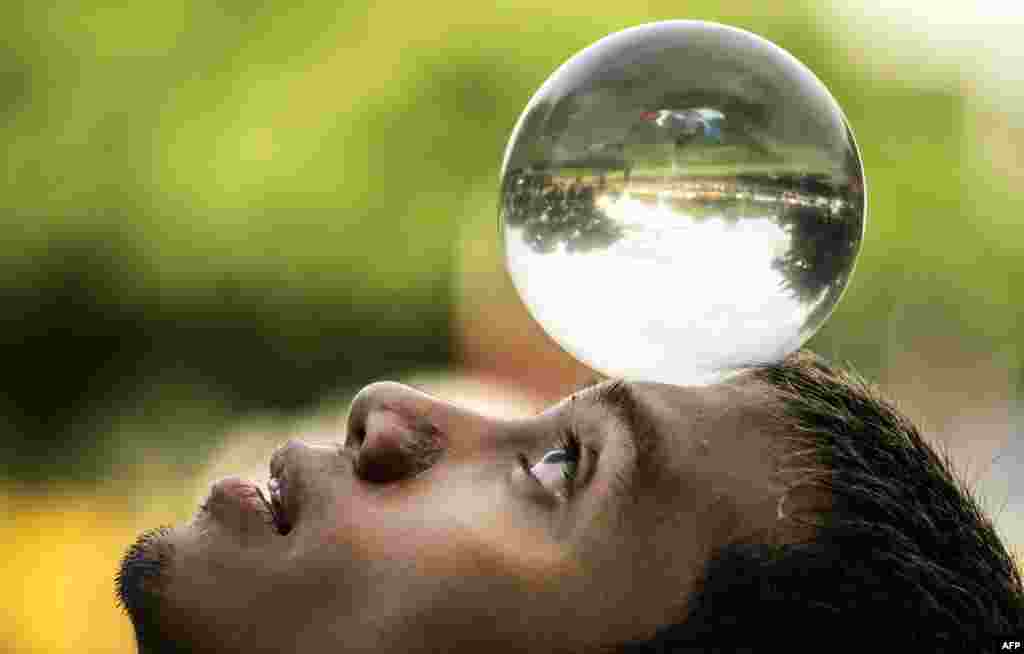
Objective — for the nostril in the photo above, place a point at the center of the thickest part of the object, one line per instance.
(389, 433)
(395, 446)
(381, 466)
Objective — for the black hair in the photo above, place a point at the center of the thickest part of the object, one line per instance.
(904, 555)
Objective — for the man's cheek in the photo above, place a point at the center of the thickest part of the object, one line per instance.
(463, 532)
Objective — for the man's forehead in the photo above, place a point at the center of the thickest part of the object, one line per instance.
(692, 419)
(732, 396)
(656, 402)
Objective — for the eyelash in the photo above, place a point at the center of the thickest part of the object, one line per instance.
(570, 442)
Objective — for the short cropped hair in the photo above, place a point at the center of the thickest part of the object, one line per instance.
(903, 554)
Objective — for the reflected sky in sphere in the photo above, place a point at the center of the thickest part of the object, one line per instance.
(679, 200)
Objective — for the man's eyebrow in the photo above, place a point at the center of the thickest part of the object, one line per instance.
(618, 396)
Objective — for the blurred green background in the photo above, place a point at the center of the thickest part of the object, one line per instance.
(224, 214)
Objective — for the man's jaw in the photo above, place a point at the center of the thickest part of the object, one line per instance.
(179, 585)
(140, 585)
(242, 540)
(236, 514)
(141, 575)
(234, 524)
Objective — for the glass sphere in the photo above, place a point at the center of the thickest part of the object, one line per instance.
(681, 200)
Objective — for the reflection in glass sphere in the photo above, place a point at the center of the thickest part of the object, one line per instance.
(681, 199)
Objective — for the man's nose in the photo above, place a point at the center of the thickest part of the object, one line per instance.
(398, 432)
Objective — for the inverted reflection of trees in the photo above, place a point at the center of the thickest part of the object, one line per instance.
(823, 219)
(553, 212)
(822, 250)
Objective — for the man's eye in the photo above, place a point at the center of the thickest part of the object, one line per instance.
(557, 469)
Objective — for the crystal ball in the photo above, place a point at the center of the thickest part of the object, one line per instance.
(679, 201)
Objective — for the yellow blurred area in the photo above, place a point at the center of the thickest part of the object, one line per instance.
(59, 549)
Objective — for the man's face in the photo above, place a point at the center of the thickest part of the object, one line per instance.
(434, 528)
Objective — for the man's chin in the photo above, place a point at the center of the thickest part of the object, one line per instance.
(175, 582)
(142, 584)
(142, 576)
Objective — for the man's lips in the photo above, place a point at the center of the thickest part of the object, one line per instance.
(238, 504)
(289, 485)
(278, 506)
(234, 501)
